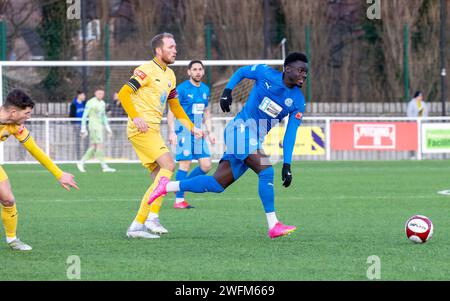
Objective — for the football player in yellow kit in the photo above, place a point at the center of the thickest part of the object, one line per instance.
(144, 98)
(13, 114)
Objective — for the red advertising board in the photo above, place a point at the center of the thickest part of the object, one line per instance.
(395, 136)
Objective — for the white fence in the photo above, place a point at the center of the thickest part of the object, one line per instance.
(319, 138)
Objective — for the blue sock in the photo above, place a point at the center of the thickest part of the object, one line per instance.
(196, 172)
(265, 189)
(201, 184)
(181, 175)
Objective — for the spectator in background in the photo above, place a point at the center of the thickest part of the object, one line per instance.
(416, 108)
(77, 106)
(76, 111)
(116, 108)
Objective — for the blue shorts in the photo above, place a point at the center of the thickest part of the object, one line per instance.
(189, 148)
(240, 142)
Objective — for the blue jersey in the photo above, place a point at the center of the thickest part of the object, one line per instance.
(194, 101)
(269, 102)
(79, 107)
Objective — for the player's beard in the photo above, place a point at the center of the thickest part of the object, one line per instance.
(197, 79)
(167, 59)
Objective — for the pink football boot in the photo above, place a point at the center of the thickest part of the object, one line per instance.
(160, 190)
(182, 205)
(280, 230)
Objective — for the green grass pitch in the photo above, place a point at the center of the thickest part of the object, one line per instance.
(345, 212)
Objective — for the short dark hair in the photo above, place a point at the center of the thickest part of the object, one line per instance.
(295, 56)
(191, 63)
(79, 92)
(417, 94)
(157, 40)
(19, 99)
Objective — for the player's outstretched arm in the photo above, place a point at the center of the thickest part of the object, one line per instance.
(288, 147)
(252, 72)
(65, 179)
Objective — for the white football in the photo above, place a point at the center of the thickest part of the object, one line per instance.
(419, 229)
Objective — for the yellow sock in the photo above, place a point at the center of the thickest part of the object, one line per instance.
(156, 205)
(145, 208)
(9, 219)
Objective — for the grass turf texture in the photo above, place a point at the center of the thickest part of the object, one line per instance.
(345, 212)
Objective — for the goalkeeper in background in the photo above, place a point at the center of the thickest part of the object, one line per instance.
(13, 114)
(95, 110)
(144, 99)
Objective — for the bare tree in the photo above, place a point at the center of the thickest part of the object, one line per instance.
(239, 28)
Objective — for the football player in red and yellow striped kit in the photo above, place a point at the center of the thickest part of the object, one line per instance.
(13, 114)
(144, 99)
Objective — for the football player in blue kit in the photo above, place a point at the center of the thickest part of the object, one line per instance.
(194, 96)
(274, 96)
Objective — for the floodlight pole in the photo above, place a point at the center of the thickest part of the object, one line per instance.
(83, 48)
(442, 45)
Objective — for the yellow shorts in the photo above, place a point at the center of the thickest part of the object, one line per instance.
(149, 146)
(3, 175)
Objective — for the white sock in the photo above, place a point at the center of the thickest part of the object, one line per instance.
(179, 200)
(135, 225)
(271, 219)
(152, 215)
(104, 166)
(10, 239)
(173, 186)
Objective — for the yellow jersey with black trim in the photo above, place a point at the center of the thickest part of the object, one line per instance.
(156, 84)
(19, 131)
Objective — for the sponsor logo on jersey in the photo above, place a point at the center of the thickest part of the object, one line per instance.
(198, 108)
(141, 74)
(299, 115)
(270, 107)
(21, 129)
(288, 102)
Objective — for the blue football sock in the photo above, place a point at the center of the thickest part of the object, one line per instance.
(181, 175)
(201, 184)
(265, 189)
(196, 172)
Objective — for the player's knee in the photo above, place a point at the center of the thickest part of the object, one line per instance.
(170, 166)
(8, 201)
(206, 166)
(223, 183)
